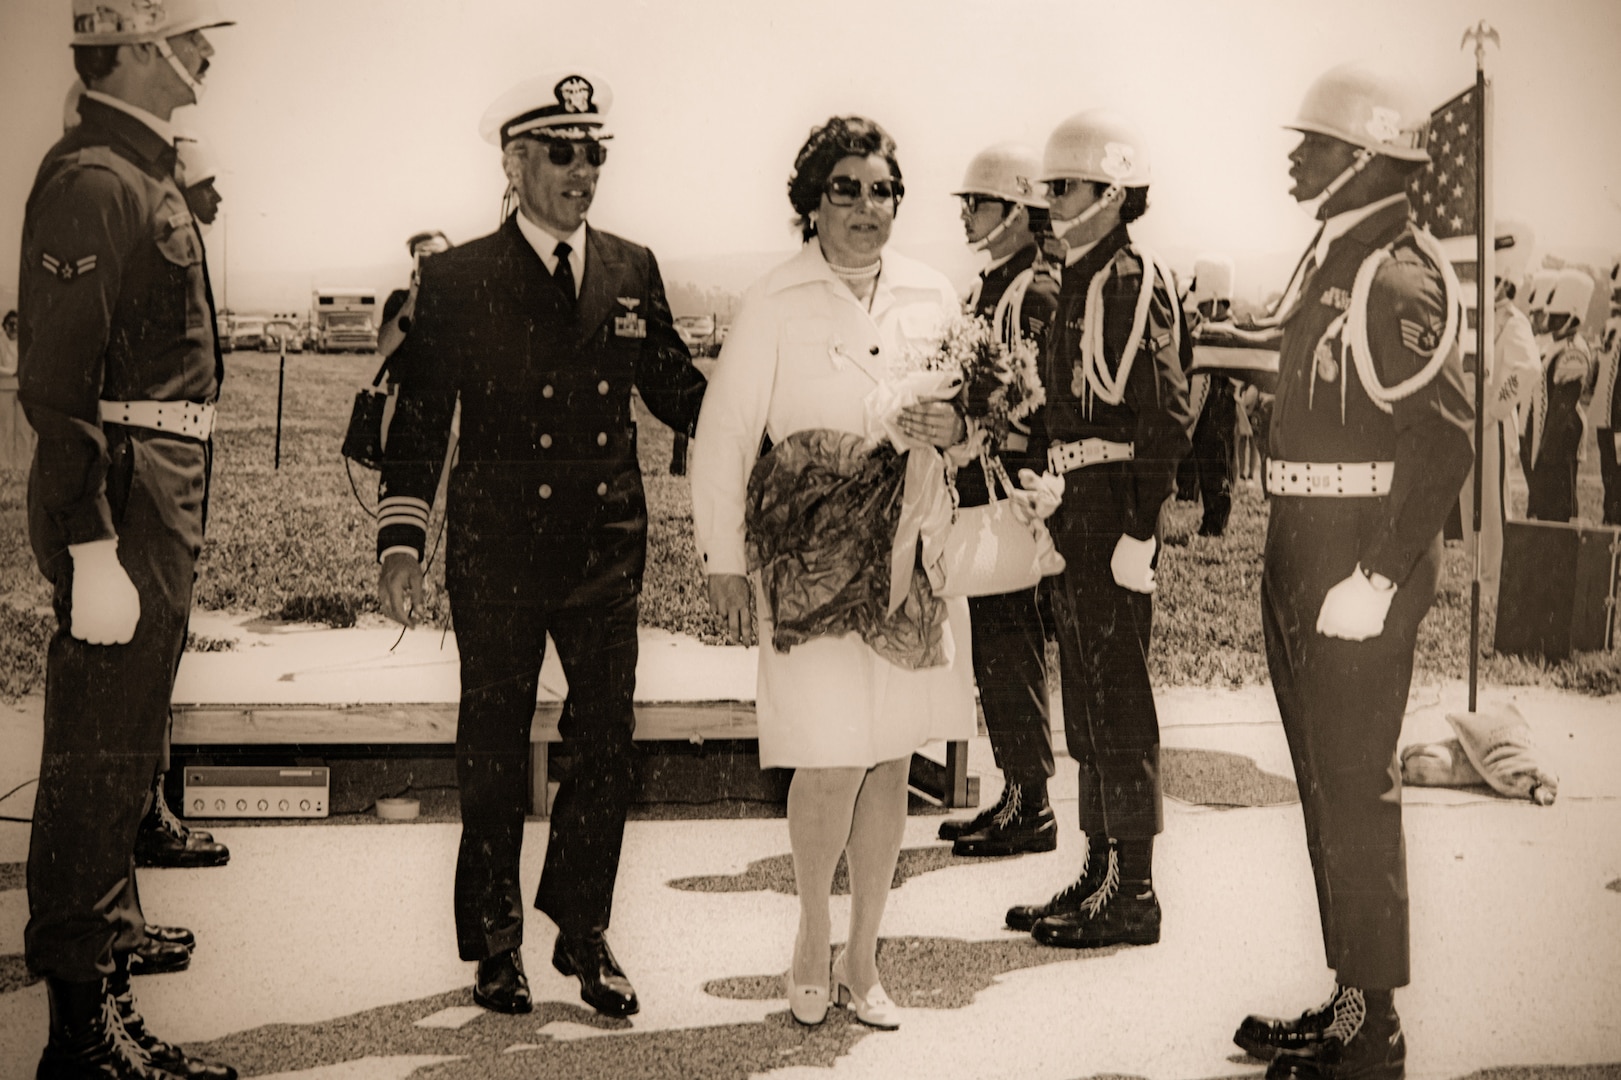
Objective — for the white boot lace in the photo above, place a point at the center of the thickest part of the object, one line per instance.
(1350, 1009)
(124, 1044)
(1104, 892)
(1012, 805)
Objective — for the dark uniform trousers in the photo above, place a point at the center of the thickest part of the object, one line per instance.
(1010, 648)
(501, 652)
(114, 306)
(546, 534)
(1207, 472)
(1607, 391)
(1551, 482)
(1111, 726)
(1342, 702)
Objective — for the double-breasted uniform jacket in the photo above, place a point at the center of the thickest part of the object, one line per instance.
(114, 307)
(1103, 629)
(545, 502)
(1342, 701)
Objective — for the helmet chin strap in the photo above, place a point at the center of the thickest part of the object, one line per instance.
(1062, 227)
(984, 243)
(180, 69)
(1363, 159)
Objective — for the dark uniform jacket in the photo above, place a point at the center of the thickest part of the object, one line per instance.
(1427, 434)
(545, 502)
(1153, 415)
(1035, 318)
(114, 304)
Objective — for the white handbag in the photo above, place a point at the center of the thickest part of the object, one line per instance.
(988, 551)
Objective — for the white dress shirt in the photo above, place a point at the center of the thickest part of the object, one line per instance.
(545, 244)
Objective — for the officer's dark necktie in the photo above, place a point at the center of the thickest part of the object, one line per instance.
(564, 275)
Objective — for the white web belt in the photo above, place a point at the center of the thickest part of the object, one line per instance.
(1334, 479)
(1069, 456)
(187, 418)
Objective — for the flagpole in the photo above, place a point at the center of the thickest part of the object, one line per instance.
(1484, 315)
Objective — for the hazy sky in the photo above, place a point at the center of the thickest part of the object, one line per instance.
(346, 125)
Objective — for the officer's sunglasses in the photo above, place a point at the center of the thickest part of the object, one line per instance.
(846, 191)
(1057, 189)
(564, 152)
(972, 201)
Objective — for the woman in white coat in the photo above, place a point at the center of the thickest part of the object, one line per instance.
(812, 339)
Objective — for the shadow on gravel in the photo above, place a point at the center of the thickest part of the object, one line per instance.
(775, 873)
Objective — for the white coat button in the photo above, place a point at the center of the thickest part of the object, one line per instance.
(602, 438)
(545, 491)
(602, 489)
(545, 442)
(546, 391)
(602, 387)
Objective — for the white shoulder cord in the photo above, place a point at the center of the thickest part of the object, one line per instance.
(1356, 323)
(1098, 381)
(1005, 320)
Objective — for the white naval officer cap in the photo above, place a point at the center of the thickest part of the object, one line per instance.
(568, 104)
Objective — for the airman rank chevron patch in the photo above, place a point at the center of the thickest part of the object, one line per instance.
(67, 269)
(1419, 337)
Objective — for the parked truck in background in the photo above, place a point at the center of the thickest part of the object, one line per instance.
(345, 320)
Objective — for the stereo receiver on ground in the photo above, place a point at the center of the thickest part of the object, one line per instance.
(256, 791)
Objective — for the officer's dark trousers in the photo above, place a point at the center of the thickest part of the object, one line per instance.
(1010, 665)
(1551, 483)
(1342, 704)
(106, 708)
(501, 651)
(1609, 464)
(1110, 725)
(1207, 472)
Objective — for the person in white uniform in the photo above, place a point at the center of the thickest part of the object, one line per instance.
(812, 339)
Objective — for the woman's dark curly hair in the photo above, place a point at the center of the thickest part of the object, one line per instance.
(839, 138)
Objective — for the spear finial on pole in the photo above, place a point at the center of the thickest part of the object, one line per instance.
(1481, 33)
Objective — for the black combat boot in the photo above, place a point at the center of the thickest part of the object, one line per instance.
(1025, 823)
(165, 1056)
(953, 828)
(164, 840)
(88, 1042)
(1096, 858)
(1122, 910)
(1263, 1036)
(1363, 1041)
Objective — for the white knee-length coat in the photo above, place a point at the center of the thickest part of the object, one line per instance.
(804, 353)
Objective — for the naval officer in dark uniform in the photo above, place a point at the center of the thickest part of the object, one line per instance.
(999, 200)
(118, 374)
(542, 329)
(1114, 427)
(1370, 441)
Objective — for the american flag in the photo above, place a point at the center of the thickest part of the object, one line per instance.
(1445, 195)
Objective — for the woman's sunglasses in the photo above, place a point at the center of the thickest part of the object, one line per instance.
(846, 191)
(563, 152)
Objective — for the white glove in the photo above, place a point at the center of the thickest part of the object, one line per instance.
(106, 606)
(1039, 498)
(1355, 609)
(1132, 564)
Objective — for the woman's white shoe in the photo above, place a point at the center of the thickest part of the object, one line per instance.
(808, 1003)
(872, 1008)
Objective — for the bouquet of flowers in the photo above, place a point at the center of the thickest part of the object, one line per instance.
(1001, 383)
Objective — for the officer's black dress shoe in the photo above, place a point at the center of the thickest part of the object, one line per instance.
(1370, 1047)
(1263, 1036)
(603, 984)
(87, 1040)
(501, 986)
(178, 935)
(1094, 868)
(1127, 914)
(1011, 833)
(154, 957)
(954, 828)
(163, 840)
(166, 1056)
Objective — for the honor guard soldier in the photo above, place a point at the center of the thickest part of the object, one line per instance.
(119, 374)
(1206, 473)
(1604, 415)
(198, 171)
(1552, 444)
(999, 195)
(541, 330)
(1113, 430)
(1370, 441)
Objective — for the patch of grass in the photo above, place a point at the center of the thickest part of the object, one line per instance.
(295, 544)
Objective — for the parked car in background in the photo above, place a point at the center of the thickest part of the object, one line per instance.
(280, 329)
(247, 331)
(698, 331)
(346, 320)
